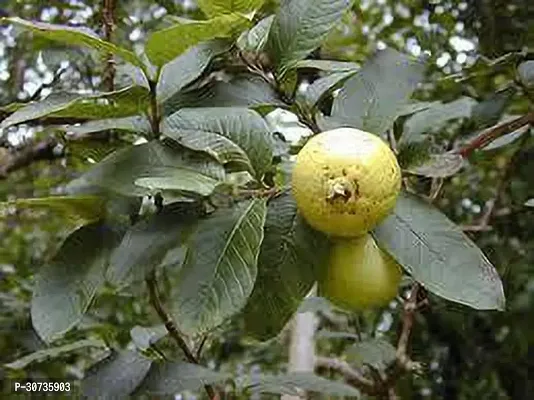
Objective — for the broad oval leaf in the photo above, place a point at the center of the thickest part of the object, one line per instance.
(328, 65)
(439, 255)
(76, 36)
(435, 118)
(244, 127)
(54, 352)
(218, 146)
(213, 8)
(117, 376)
(299, 27)
(67, 284)
(325, 85)
(187, 67)
(144, 337)
(119, 171)
(295, 383)
(220, 267)
(145, 244)
(439, 166)
(377, 353)
(175, 377)
(186, 34)
(372, 98)
(291, 258)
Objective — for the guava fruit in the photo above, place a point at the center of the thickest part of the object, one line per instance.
(360, 275)
(345, 181)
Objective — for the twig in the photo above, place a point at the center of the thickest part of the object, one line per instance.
(352, 375)
(493, 133)
(410, 307)
(47, 149)
(108, 17)
(171, 326)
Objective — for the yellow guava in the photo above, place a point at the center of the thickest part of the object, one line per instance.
(360, 274)
(345, 181)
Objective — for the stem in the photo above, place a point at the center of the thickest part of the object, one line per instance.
(155, 117)
(108, 17)
(171, 326)
(493, 133)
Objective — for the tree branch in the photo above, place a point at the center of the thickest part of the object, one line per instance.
(495, 132)
(171, 326)
(47, 149)
(108, 17)
(351, 375)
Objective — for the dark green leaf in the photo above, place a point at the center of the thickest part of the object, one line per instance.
(371, 99)
(291, 257)
(183, 35)
(220, 267)
(435, 118)
(138, 124)
(242, 126)
(295, 383)
(68, 283)
(439, 255)
(145, 244)
(144, 337)
(489, 111)
(176, 377)
(300, 26)
(376, 353)
(415, 107)
(77, 37)
(187, 67)
(117, 376)
(325, 85)
(54, 352)
(255, 38)
(439, 166)
(119, 171)
(328, 65)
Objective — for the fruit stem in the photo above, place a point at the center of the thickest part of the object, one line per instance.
(339, 187)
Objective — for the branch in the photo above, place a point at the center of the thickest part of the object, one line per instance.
(108, 17)
(171, 326)
(47, 149)
(493, 133)
(351, 375)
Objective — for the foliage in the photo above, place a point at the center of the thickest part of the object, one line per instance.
(170, 204)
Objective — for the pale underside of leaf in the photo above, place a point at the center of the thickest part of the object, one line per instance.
(439, 166)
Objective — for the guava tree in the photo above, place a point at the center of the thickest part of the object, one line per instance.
(187, 203)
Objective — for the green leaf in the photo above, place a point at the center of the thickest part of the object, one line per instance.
(78, 210)
(439, 166)
(138, 124)
(293, 384)
(77, 37)
(415, 107)
(435, 118)
(324, 334)
(439, 255)
(68, 283)
(214, 8)
(489, 111)
(219, 147)
(186, 34)
(242, 126)
(145, 244)
(117, 376)
(328, 65)
(187, 67)
(372, 98)
(300, 26)
(291, 257)
(181, 180)
(220, 267)
(241, 91)
(256, 37)
(54, 352)
(525, 71)
(325, 85)
(119, 171)
(54, 102)
(143, 337)
(377, 353)
(174, 377)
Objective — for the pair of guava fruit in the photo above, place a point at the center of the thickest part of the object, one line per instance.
(346, 181)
